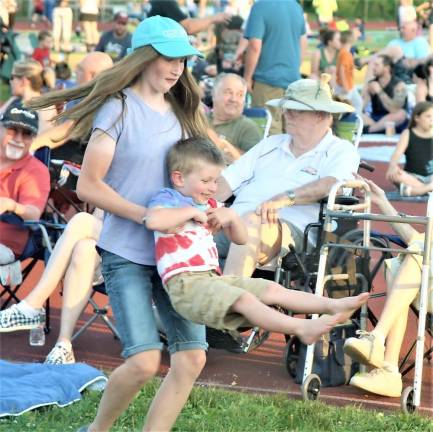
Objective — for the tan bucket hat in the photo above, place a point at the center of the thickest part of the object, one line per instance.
(310, 95)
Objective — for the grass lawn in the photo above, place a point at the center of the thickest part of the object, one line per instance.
(216, 410)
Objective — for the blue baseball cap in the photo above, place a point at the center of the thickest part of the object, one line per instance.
(165, 35)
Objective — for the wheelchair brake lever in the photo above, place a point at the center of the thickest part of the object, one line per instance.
(298, 260)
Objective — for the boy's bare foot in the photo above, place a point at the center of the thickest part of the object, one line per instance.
(312, 329)
(346, 306)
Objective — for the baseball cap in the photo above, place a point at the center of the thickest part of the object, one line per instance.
(18, 116)
(165, 35)
(121, 17)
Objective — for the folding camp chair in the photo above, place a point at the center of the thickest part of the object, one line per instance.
(43, 235)
(99, 311)
(261, 116)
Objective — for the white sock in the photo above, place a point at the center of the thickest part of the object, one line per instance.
(27, 310)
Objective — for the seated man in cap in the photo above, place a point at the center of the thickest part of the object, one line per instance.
(115, 42)
(281, 179)
(24, 181)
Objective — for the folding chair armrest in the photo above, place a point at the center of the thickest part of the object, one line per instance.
(12, 218)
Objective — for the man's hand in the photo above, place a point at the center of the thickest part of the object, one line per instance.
(7, 205)
(222, 17)
(268, 210)
(374, 87)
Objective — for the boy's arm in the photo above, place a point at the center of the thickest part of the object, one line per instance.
(166, 219)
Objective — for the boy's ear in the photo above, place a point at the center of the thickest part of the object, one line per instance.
(177, 178)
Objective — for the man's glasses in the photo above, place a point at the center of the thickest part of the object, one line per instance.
(14, 133)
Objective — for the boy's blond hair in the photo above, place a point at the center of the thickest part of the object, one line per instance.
(185, 154)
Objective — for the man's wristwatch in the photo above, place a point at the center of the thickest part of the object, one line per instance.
(291, 197)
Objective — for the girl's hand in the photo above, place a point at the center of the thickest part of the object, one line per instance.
(393, 173)
(200, 217)
(377, 193)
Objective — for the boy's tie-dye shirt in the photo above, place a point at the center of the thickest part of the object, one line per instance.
(190, 249)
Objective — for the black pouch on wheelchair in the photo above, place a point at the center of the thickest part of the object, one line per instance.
(330, 363)
(353, 262)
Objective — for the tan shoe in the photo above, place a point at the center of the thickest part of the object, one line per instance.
(368, 349)
(384, 382)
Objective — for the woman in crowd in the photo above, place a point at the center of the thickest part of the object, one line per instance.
(137, 110)
(74, 260)
(416, 143)
(324, 59)
(27, 82)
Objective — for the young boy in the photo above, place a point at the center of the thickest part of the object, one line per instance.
(42, 53)
(184, 219)
(345, 72)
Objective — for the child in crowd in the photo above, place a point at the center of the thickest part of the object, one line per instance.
(416, 143)
(42, 53)
(184, 219)
(345, 71)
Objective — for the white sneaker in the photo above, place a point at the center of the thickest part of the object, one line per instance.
(61, 354)
(368, 349)
(383, 381)
(12, 319)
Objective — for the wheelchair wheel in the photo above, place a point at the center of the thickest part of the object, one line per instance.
(310, 388)
(406, 400)
(291, 355)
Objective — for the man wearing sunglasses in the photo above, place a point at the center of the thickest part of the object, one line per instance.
(24, 181)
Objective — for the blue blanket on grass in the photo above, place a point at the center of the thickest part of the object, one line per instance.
(26, 386)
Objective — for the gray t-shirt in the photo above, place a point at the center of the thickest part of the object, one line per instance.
(137, 171)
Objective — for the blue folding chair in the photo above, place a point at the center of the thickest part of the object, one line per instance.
(261, 116)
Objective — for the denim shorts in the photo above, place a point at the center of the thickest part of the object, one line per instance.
(131, 288)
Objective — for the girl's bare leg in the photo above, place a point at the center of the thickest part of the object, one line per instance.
(171, 397)
(81, 226)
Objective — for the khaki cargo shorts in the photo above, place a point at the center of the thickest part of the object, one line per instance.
(206, 297)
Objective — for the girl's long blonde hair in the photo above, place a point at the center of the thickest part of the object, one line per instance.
(184, 96)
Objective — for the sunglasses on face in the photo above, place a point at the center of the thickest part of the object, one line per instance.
(13, 133)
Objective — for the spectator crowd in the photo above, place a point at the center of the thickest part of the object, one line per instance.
(222, 97)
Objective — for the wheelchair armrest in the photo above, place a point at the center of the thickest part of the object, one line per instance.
(342, 199)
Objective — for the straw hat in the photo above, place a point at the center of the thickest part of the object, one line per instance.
(310, 95)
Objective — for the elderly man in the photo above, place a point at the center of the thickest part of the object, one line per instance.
(281, 179)
(236, 133)
(24, 181)
(406, 52)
